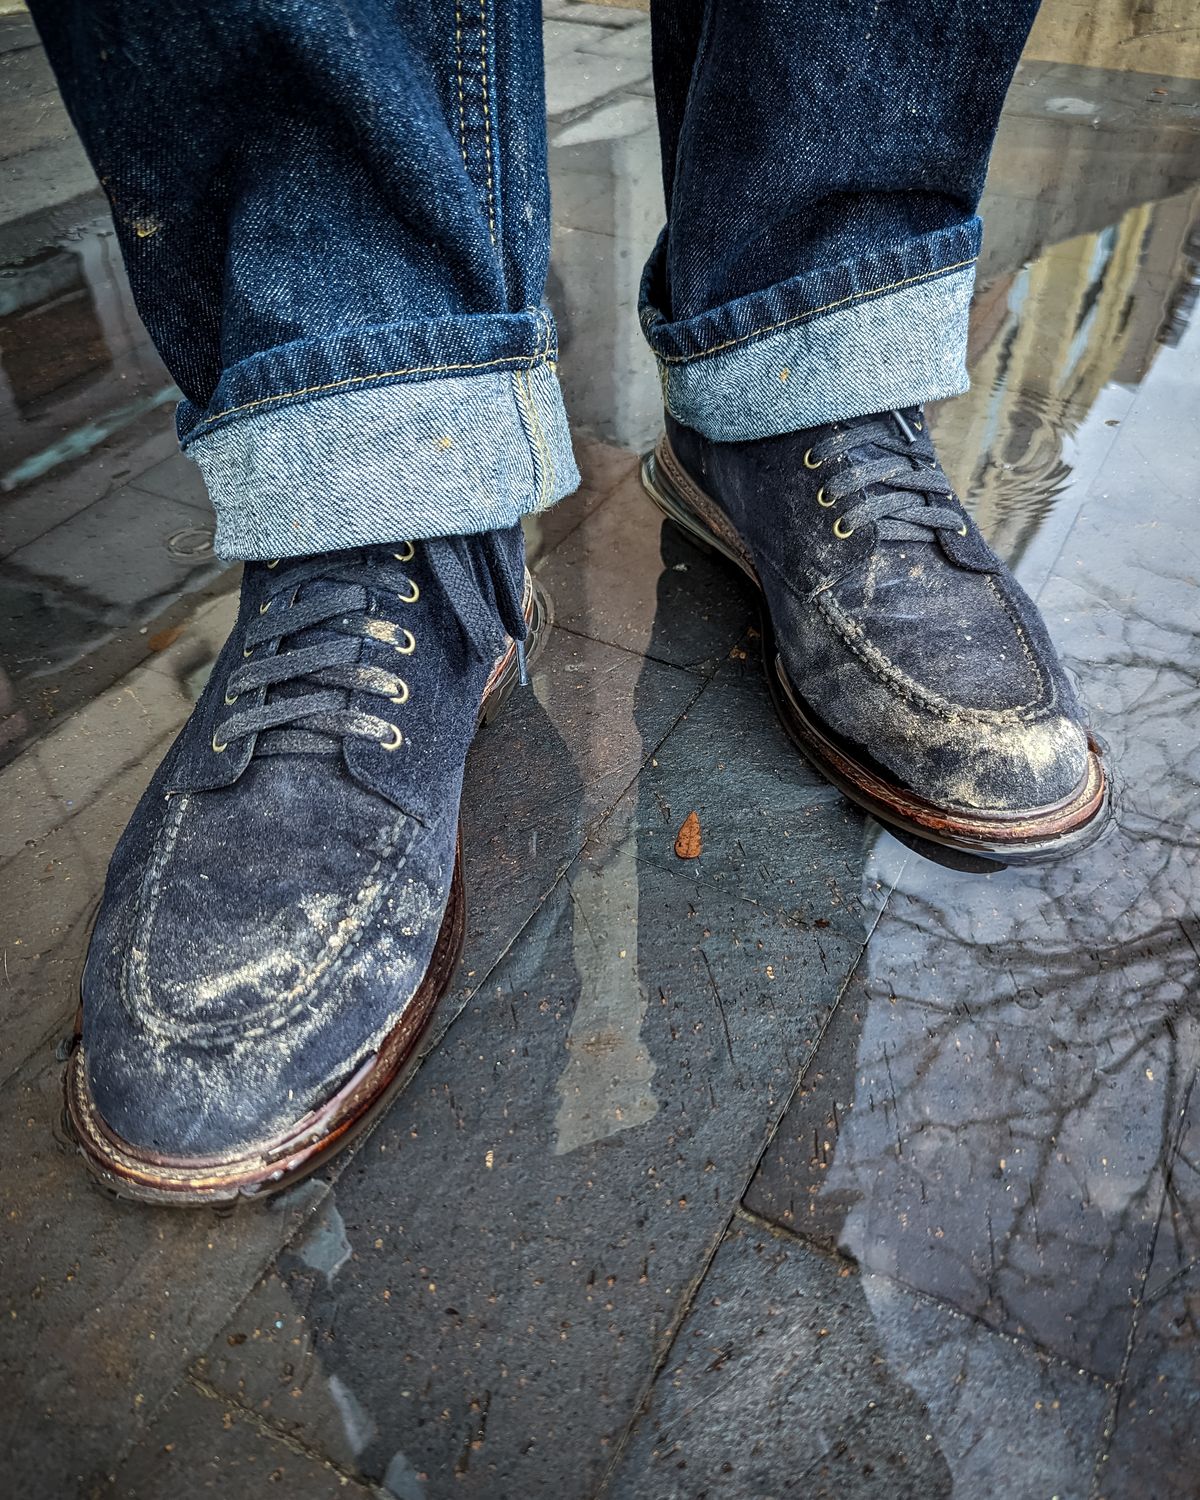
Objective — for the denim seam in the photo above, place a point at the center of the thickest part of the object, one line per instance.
(546, 478)
(530, 423)
(813, 312)
(458, 64)
(264, 1024)
(525, 361)
(898, 682)
(487, 118)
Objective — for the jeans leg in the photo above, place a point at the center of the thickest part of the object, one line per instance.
(335, 218)
(823, 163)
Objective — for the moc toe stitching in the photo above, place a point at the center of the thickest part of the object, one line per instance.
(899, 682)
(147, 1011)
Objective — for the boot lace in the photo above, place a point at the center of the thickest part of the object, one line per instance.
(306, 644)
(897, 491)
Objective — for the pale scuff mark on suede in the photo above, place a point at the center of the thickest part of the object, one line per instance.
(252, 1067)
(255, 974)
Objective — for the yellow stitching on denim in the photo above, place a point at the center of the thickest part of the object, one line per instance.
(678, 359)
(528, 360)
(487, 119)
(458, 63)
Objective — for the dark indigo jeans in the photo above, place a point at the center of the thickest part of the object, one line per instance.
(335, 218)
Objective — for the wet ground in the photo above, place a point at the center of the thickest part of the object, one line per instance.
(808, 1167)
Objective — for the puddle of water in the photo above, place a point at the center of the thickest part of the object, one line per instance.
(1004, 1113)
(105, 531)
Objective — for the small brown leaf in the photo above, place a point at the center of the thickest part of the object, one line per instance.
(687, 841)
(164, 638)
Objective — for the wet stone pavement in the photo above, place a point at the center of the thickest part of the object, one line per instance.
(808, 1167)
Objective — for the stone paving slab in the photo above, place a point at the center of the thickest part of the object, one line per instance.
(604, 60)
(630, 579)
(1014, 1072)
(794, 1376)
(105, 1303)
(128, 552)
(546, 772)
(1154, 1446)
(530, 1216)
(200, 1445)
(30, 512)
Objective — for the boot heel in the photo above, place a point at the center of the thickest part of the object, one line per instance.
(667, 486)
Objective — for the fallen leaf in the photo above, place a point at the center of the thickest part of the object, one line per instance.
(164, 638)
(687, 841)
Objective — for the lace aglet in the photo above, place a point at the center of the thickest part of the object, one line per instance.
(909, 434)
(522, 665)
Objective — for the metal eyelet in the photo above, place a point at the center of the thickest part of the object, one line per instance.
(410, 598)
(920, 426)
(406, 556)
(274, 564)
(410, 644)
(402, 697)
(395, 742)
(840, 529)
(808, 460)
(821, 500)
(262, 608)
(220, 749)
(962, 530)
(247, 651)
(231, 698)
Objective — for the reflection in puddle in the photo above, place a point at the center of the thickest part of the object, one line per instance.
(104, 526)
(77, 365)
(1003, 1113)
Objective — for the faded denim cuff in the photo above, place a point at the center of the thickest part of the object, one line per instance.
(364, 438)
(886, 330)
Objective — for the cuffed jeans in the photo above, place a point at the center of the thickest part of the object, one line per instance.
(335, 218)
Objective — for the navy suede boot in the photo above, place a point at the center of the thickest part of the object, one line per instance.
(285, 908)
(902, 655)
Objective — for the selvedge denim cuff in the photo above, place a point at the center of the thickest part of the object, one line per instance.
(384, 434)
(886, 330)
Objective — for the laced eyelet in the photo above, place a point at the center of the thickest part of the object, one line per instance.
(406, 556)
(841, 530)
(401, 697)
(262, 608)
(219, 748)
(231, 698)
(413, 597)
(808, 460)
(821, 500)
(274, 564)
(410, 644)
(395, 742)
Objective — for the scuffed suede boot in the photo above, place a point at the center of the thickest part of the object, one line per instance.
(902, 655)
(285, 908)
